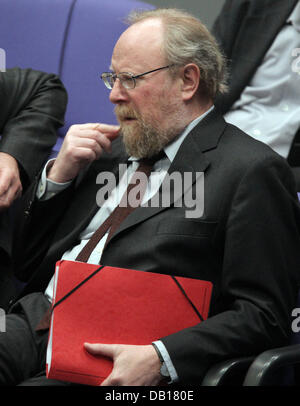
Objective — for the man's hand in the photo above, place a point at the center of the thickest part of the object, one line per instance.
(134, 365)
(83, 144)
(10, 183)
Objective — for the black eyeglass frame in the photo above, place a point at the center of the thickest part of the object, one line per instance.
(115, 76)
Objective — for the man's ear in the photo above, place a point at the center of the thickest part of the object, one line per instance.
(190, 76)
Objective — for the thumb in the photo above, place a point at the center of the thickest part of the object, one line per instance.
(108, 129)
(107, 350)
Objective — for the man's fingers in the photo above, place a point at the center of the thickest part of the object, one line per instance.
(94, 146)
(99, 134)
(107, 128)
(4, 186)
(110, 129)
(83, 144)
(107, 350)
(94, 140)
(9, 183)
(9, 194)
(107, 134)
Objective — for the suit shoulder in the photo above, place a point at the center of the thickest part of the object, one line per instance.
(241, 159)
(251, 148)
(247, 154)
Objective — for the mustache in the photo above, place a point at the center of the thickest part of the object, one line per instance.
(125, 112)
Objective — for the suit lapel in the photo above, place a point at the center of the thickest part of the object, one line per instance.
(189, 158)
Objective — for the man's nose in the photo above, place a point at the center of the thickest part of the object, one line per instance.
(118, 93)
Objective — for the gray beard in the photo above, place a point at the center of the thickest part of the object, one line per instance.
(142, 140)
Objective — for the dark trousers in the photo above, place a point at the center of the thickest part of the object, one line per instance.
(22, 349)
(8, 283)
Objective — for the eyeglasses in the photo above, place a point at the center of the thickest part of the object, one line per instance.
(128, 80)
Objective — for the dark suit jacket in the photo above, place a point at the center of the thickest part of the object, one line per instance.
(246, 243)
(245, 30)
(32, 107)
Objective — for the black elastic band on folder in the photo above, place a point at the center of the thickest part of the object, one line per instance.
(188, 299)
(77, 286)
(101, 267)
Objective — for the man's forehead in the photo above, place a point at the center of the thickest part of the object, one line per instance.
(147, 28)
(140, 42)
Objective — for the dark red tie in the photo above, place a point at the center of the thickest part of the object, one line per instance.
(124, 208)
(112, 223)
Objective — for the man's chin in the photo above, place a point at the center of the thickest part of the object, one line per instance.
(129, 127)
(141, 144)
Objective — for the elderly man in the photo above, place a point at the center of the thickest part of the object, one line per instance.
(166, 70)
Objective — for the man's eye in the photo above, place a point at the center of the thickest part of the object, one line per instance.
(126, 79)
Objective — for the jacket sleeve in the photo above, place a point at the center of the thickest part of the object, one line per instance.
(34, 231)
(32, 108)
(228, 29)
(228, 24)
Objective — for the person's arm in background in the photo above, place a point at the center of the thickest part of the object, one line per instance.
(228, 23)
(32, 108)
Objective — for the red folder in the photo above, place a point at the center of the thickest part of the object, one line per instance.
(115, 306)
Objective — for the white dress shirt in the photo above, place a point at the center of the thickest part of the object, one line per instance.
(269, 108)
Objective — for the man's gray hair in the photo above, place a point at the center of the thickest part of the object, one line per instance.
(187, 40)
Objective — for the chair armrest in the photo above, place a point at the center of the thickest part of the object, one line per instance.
(268, 362)
(229, 372)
